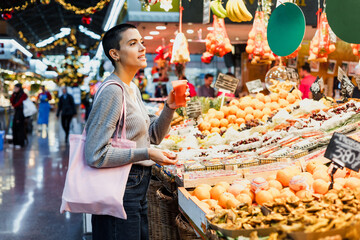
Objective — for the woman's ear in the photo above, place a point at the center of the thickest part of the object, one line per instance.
(114, 54)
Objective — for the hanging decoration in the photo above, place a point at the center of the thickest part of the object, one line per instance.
(7, 15)
(18, 8)
(321, 45)
(257, 44)
(86, 19)
(217, 41)
(45, 2)
(180, 52)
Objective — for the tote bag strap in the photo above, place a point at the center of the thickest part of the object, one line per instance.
(123, 108)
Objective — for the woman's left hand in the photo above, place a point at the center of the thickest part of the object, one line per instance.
(171, 99)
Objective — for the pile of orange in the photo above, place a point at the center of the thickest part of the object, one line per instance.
(245, 109)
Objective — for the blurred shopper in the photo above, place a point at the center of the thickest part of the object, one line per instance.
(206, 90)
(191, 87)
(68, 109)
(306, 81)
(18, 126)
(44, 107)
(124, 46)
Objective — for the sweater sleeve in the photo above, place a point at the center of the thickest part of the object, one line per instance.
(22, 98)
(100, 128)
(160, 126)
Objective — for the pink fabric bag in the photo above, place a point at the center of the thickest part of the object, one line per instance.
(92, 190)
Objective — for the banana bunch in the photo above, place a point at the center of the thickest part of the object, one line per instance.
(217, 9)
(237, 11)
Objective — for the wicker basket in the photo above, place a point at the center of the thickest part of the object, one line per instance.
(154, 209)
(186, 232)
(168, 205)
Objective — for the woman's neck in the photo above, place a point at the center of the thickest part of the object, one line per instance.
(125, 75)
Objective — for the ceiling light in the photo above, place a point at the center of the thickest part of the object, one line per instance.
(189, 40)
(172, 40)
(237, 39)
(210, 28)
(190, 23)
(89, 33)
(114, 14)
(190, 31)
(148, 37)
(63, 33)
(154, 33)
(160, 27)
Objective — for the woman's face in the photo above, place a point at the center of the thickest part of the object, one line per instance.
(16, 89)
(132, 51)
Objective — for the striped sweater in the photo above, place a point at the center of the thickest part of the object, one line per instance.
(141, 127)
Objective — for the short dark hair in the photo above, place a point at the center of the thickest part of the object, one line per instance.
(208, 75)
(306, 67)
(112, 38)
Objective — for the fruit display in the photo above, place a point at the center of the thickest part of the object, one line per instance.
(237, 12)
(257, 44)
(207, 57)
(217, 9)
(355, 48)
(217, 41)
(320, 45)
(180, 51)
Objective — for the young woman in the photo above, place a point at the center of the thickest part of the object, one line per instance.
(124, 46)
(18, 126)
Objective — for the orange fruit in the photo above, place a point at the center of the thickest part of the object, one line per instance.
(232, 203)
(263, 197)
(321, 167)
(240, 113)
(231, 118)
(212, 111)
(253, 103)
(274, 192)
(249, 117)
(233, 110)
(286, 193)
(202, 193)
(235, 189)
(259, 105)
(249, 193)
(352, 183)
(340, 173)
(260, 97)
(249, 110)
(258, 114)
(283, 103)
(274, 97)
(284, 176)
(354, 174)
(224, 198)
(297, 93)
(211, 202)
(244, 198)
(275, 184)
(320, 186)
(206, 126)
(223, 184)
(271, 177)
(268, 105)
(216, 192)
(215, 129)
(225, 110)
(283, 94)
(240, 121)
(234, 102)
(266, 111)
(303, 194)
(267, 99)
(219, 115)
(340, 181)
(321, 174)
(214, 122)
(203, 185)
(223, 129)
(243, 105)
(290, 98)
(310, 167)
(224, 122)
(274, 106)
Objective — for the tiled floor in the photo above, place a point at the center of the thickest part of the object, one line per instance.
(31, 184)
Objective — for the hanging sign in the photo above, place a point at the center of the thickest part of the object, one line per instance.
(193, 109)
(344, 151)
(226, 82)
(254, 86)
(347, 87)
(316, 88)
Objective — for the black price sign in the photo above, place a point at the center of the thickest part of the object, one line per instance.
(316, 88)
(193, 109)
(347, 87)
(292, 75)
(226, 82)
(344, 151)
(254, 86)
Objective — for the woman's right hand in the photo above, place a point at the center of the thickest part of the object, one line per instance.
(159, 157)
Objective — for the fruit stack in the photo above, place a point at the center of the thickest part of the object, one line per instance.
(257, 44)
(320, 45)
(246, 109)
(217, 41)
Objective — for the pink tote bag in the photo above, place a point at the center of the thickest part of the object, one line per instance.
(92, 190)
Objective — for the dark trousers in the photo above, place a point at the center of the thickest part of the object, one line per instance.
(18, 128)
(65, 122)
(106, 227)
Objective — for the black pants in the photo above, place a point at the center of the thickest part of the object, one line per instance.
(18, 128)
(65, 122)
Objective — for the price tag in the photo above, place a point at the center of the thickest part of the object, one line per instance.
(344, 151)
(347, 87)
(317, 88)
(226, 82)
(292, 74)
(254, 86)
(206, 12)
(194, 109)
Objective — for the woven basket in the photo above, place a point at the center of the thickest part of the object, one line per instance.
(186, 232)
(154, 209)
(168, 211)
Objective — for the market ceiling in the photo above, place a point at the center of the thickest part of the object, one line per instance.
(40, 21)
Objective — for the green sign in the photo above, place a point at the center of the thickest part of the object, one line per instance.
(286, 29)
(343, 18)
